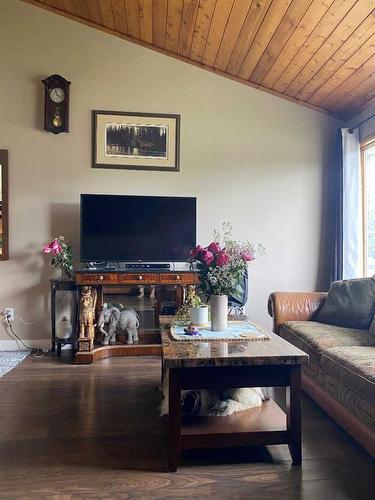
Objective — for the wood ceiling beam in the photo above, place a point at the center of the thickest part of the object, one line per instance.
(269, 25)
(188, 19)
(340, 95)
(333, 42)
(202, 27)
(334, 77)
(323, 29)
(284, 31)
(231, 33)
(119, 15)
(174, 14)
(146, 20)
(316, 53)
(219, 22)
(159, 22)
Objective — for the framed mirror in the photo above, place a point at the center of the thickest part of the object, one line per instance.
(4, 235)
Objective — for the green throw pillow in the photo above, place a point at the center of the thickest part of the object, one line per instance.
(349, 303)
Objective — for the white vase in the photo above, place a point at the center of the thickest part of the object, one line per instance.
(219, 312)
(199, 315)
(64, 328)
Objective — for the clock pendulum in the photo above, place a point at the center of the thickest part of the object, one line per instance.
(57, 121)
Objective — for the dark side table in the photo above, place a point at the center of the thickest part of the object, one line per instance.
(59, 285)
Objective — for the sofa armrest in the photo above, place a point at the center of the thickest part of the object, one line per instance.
(293, 306)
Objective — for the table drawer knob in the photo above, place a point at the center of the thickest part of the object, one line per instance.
(100, 278)
(178, 277)
(140, 278)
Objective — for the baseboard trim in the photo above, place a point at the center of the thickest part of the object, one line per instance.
(13, 345)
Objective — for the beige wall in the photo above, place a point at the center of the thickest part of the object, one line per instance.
(251, 158)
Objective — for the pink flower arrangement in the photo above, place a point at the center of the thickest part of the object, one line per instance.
(213, 254)
(222, 258)
(222, 263)
(61, 253)
(214, 247)
(247, 256)
(53, 247)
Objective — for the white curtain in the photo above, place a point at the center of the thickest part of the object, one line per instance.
(352, 205)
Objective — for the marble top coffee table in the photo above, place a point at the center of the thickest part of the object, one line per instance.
(219, 365)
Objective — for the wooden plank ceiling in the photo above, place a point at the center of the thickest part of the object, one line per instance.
(319, 53)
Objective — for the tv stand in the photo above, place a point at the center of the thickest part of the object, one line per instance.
(94, 281)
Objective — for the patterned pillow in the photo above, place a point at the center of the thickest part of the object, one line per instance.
(350, 303)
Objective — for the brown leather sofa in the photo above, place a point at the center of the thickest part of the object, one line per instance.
(340, 373)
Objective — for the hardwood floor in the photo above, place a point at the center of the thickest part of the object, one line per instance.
(71, 432)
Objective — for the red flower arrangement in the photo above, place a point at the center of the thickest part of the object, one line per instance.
(222, 263)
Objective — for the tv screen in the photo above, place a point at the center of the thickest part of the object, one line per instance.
(137, 228)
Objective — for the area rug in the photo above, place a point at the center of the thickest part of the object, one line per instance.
(9, 360)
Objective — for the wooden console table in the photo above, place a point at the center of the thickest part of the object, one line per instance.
(91, 285)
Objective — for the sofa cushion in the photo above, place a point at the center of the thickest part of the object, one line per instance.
(359, 406)
(350, 303)
(353, 367)
(313, 337)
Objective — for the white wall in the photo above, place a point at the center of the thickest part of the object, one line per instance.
(251, 158)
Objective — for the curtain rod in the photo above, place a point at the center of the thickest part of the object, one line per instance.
(361, 123)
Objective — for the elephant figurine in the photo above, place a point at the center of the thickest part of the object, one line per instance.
(118, 319)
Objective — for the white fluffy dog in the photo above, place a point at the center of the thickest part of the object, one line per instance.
(204, 402)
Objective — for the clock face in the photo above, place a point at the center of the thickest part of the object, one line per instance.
(57, 95)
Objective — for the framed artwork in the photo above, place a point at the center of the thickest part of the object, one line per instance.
(136, 141)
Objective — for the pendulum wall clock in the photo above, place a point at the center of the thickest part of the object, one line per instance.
(56, 106)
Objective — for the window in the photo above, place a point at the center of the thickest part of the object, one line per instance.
(368, 184)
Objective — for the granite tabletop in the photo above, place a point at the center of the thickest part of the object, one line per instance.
(275, 351)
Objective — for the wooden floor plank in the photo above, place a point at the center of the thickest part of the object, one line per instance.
(93, 431)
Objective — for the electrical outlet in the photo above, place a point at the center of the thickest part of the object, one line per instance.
(9, 313)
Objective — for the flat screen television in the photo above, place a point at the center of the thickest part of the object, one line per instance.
(116, 228)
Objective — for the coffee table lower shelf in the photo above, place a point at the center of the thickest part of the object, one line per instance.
(258, 426)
